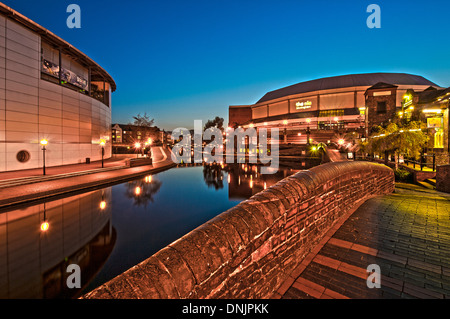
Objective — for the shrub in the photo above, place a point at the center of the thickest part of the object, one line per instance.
(402, 175)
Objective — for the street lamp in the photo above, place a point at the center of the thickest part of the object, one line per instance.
(137, 146)
(102, 143)
(150, 141)
(44, 143)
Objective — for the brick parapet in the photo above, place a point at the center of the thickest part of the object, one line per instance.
(443, 178)
(251, 249)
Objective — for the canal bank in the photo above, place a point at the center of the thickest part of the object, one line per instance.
(31, 185)
(111, 228)
(249, 250)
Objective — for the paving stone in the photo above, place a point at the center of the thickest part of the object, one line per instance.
(406, 234)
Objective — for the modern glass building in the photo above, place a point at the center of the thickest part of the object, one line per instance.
(49, 90)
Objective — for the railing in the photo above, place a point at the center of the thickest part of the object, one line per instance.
(421, 163)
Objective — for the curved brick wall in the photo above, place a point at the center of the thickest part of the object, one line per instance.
(249, 250)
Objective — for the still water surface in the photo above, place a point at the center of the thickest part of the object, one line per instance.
(109, 230)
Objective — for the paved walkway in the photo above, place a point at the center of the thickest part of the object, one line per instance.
(406, 233)
(22, 186)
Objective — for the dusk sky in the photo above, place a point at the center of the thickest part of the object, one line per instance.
(179, 61)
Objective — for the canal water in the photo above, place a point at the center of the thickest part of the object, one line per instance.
(106, 231)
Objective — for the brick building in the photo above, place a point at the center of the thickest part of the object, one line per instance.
(127, 134)
(381, 104)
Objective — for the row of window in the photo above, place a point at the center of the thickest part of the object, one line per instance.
(52, 72)
(330, 125)
(331, 113)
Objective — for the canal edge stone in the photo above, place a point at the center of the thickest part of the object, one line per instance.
(251, 249)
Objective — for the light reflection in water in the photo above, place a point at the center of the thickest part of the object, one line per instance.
(108, 231)
(39, 241)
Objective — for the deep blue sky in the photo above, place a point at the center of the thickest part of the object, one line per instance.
(185, 60)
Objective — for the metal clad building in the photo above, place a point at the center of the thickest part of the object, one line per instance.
(49, 90)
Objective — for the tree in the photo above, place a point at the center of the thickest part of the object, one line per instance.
(217, 122)
(142, 191)
(143, 120)
(399, 139)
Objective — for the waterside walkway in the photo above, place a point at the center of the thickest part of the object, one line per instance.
(26, 185)
(406, 233)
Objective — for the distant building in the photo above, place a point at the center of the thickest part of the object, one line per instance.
(324, 108)
(431, 106)
(127, 134)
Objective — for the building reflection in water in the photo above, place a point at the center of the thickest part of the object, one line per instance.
(245, 179)
(213, 175)
(143, 191)
(38, 243)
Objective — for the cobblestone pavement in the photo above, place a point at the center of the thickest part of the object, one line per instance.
(406, 233)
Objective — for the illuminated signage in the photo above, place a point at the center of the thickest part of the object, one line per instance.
(407, 100)
(434, 122)
(382, 93)
(303, 105)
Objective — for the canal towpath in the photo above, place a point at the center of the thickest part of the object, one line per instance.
(18, 187)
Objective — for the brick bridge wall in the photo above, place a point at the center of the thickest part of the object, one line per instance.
(443, 178)
(249, 250)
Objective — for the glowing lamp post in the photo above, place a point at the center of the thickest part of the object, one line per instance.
(308, 132)
(150, 141)
(137, 146)
(102, 143)
(285, 122)
(44, 143)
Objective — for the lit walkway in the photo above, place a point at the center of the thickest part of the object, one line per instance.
(406, 233)
(21, 186)
(336, 156)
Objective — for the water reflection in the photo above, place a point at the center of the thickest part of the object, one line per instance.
(245, 179)
(213, 175)
(38, 242)
(108, 231)
(142, 191)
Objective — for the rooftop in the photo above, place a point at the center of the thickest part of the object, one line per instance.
(97, 72)
(350, 80)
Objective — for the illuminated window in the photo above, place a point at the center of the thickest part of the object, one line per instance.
(439, 138)
(331, 113)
